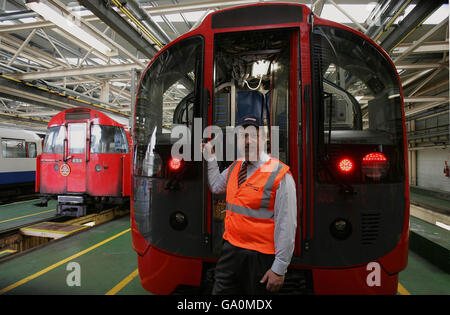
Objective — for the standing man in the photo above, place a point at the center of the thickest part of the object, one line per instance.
(261, 216)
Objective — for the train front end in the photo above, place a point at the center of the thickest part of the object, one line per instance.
(85, 162)
(332, 104)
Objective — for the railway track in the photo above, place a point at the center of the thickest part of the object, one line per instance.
(16, 197)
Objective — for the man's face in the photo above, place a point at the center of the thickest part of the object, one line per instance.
(248, 142)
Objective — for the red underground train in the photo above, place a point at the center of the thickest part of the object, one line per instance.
(337, 101)
(85, 162)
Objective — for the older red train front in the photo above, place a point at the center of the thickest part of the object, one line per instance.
(85, 162)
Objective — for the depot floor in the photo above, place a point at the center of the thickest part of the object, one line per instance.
(108, 265)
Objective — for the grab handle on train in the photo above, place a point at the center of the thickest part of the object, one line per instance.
(206, 217)
(65, 158)
(88, 143)
(88, 151)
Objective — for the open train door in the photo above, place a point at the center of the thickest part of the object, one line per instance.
(257, 72)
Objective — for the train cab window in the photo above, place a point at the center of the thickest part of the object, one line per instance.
(13, 148)
(359, 107)
(108, 139)
(168, 96)
(54, 140)
(77, 138)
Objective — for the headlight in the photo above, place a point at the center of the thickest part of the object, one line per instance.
(178, 221)
(341, 228)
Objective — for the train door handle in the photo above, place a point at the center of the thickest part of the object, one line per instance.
(65, 150)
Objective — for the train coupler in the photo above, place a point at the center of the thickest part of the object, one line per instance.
(72, 206)
(70, 210)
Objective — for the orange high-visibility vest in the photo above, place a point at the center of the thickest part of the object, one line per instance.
(249, 219)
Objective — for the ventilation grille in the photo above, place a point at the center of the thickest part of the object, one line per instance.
(370, 228)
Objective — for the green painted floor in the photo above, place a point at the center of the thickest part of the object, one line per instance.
(25, 212)
(46, 270)
(421, 277)
(106, 260)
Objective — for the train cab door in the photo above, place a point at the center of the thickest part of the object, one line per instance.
(258, 72)
(76, 157)
(51, 161)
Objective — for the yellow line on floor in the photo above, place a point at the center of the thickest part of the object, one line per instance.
(401, 289)
(123, 283)
(25, 216)
(59, 263)
(9, 251)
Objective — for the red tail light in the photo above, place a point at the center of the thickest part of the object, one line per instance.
(175, 164)
(374, 156)
(345, 165)
(374, 165)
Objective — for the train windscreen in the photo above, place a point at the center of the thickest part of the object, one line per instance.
(108, 139)
(360, 108)
(54, 140)
(165, 99)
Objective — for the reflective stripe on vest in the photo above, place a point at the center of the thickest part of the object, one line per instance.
(254, 213)
(268, 187)
(230, 170)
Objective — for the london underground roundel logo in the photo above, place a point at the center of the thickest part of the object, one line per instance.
(64, 170)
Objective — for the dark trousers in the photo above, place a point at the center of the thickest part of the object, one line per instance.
(240, 270)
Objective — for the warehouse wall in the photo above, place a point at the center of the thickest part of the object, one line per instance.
(430, 166)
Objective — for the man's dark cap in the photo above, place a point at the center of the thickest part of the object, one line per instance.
(250, 120)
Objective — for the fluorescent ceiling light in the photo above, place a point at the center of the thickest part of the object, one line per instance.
(70, 24)
(260, 68)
